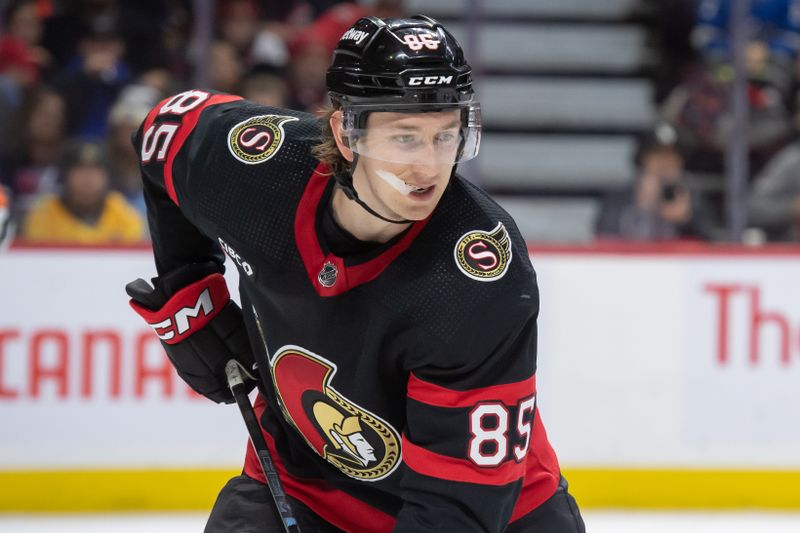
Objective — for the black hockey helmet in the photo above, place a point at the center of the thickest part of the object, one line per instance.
(399, 61)
(409, 65)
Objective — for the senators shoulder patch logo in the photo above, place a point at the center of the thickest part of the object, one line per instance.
(257, 139)
(484, 255)
(349, 437)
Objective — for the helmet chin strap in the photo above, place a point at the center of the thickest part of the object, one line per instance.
(349, 190)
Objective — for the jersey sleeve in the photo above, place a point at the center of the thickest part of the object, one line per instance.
(475, 451)
(168, 145)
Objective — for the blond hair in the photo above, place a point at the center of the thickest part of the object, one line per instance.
(327, 151)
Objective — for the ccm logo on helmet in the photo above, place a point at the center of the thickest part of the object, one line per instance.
(430, 80)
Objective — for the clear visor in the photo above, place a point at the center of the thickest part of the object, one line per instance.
(421, 134)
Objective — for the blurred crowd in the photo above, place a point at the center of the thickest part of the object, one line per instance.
(679, 189)
(78, 77)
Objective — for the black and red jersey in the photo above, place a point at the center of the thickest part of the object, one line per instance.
(398, 384)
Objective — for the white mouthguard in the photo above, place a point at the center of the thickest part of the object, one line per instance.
(400, 185)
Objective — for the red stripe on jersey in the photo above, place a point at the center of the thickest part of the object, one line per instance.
(188, 122)
(333, 505)
(314, 259)
(542, 472)
(432, 464)
(431, 394)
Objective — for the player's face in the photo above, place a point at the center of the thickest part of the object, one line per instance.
(406, 161)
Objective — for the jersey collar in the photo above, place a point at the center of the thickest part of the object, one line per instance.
(329, 273)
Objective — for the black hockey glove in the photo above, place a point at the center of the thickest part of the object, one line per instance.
(200, 328)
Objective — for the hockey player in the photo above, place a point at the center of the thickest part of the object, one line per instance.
(388, 306)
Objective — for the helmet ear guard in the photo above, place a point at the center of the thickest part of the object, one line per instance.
(344, 139)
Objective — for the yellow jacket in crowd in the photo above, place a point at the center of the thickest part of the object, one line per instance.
(50, 222)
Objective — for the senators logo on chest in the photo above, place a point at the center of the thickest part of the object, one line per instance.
(484, 255)
(257, 139)
(354, 440)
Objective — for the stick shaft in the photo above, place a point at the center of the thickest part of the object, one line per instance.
(239, 391)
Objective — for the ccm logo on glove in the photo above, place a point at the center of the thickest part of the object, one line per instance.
(189, 309)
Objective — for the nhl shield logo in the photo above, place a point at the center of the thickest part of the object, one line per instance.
(327, 276)
(357, 442)
(257, 139)
(484, 255)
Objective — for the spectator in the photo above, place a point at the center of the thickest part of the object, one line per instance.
(774, 203)
(257, 42)
(128, 113)
(36, 152)
(160, 80)
(140, 24)
(307, 75)
(240, 23)
(225, 69)
(660, 205)
(776, 23)
(698, 106)
(91, 82)
(21, 54)
(144, 25)
(698, 109)
(21, 60)
(311, 49)
(328, 27)
(266, 87)
(85, 212)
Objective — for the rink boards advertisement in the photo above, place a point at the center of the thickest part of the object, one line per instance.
(666, 378)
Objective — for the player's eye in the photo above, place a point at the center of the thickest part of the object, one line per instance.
(446, 137)
(406, 140)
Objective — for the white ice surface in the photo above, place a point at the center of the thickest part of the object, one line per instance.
(596, 522)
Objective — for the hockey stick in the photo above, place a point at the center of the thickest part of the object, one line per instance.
(236, 384)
